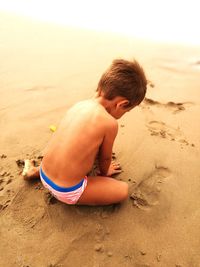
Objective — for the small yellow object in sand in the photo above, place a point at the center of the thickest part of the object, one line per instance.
(52, 128)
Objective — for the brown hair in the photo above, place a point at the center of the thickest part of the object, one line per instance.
(124, 78)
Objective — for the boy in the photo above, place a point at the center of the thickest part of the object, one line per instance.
(89, 129)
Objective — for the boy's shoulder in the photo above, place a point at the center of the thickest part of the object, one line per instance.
(95, 112)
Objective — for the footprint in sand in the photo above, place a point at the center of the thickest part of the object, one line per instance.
(146, 194)
(195, 64)
(5, 204)
(171, 106)
(5, 179)
(161, 129)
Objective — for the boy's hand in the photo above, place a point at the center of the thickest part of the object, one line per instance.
(114, 168)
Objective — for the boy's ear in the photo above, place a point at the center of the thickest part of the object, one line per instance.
(98, 92)
(123, 103)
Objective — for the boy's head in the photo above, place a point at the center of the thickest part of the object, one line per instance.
(124, 79)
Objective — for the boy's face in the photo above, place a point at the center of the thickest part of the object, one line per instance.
(121, 109)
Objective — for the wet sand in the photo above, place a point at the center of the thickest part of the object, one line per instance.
(44, 70)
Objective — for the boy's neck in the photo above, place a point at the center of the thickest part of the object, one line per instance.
(107, 104)
(115, 107)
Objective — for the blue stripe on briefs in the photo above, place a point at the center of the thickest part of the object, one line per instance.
(57, 187)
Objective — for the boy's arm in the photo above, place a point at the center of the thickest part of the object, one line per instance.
(105, 151)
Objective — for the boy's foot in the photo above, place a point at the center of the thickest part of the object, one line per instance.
(30, 171)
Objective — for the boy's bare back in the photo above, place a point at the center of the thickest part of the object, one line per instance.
(71, 153)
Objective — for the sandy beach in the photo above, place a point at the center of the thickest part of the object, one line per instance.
(44, 70)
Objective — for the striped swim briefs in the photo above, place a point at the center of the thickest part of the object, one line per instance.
(68, 195)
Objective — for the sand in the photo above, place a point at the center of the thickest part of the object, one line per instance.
(44, 70)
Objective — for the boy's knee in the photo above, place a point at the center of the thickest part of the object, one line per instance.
(124, 191)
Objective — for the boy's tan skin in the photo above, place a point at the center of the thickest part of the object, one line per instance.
(88, 128)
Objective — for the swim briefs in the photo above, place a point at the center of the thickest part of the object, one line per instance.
(68, 195)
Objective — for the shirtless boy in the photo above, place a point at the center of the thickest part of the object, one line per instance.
(89, 129)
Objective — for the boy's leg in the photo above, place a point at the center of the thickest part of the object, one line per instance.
(30, 171)
(103, 191)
